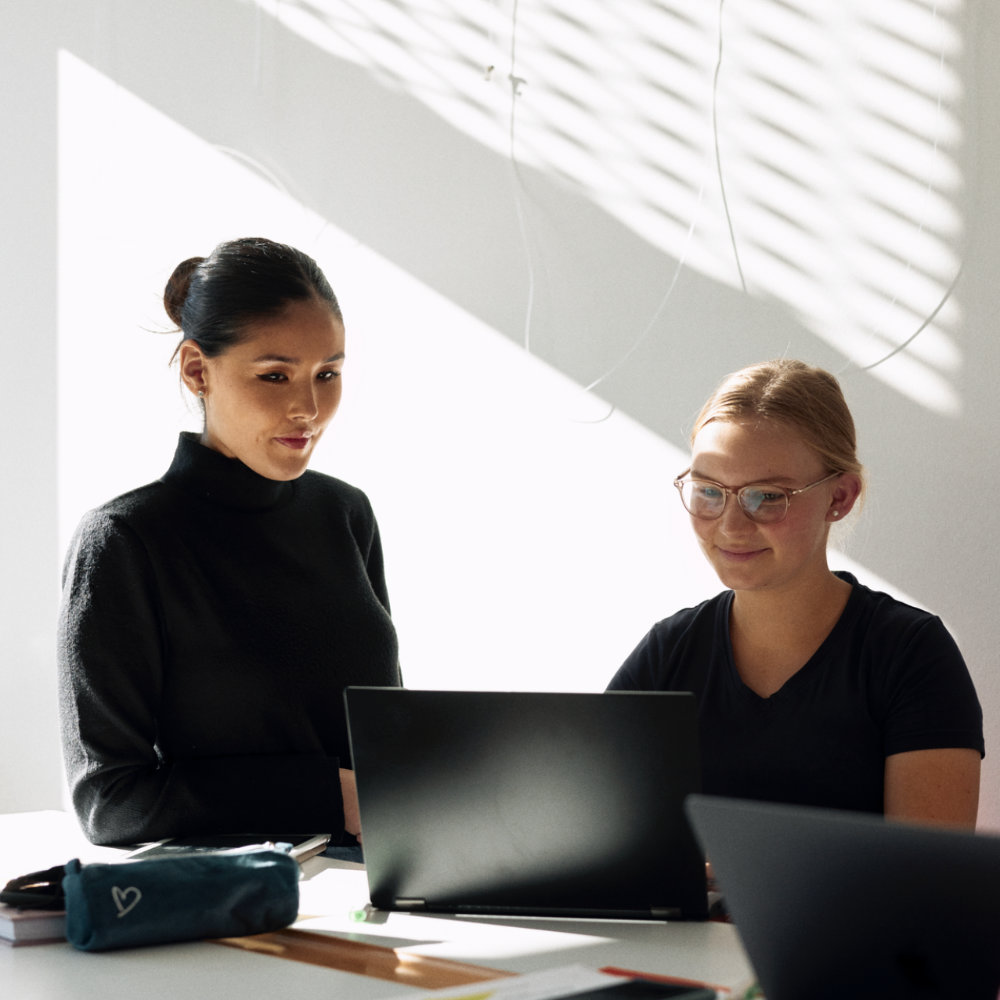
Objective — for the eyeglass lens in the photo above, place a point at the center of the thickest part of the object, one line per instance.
(707, 500)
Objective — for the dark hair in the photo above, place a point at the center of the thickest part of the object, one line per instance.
(212, 299)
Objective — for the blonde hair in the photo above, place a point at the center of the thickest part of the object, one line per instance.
(807, 399)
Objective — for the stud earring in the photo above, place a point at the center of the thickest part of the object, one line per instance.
(201, 393)
(836, 513)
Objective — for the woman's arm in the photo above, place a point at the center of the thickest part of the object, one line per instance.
(933, 786)
(111, 681)
(934, 736)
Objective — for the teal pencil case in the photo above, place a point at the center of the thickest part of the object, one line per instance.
(186, 898)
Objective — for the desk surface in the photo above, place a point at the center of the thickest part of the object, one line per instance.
(331, 895)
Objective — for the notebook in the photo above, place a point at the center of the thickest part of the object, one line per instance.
(834, 904)
(528, 803)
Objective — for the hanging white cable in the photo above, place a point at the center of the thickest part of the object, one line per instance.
(515, 82)
(718, 152)
(949, 291)
(682, 260)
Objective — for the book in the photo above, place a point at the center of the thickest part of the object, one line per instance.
(300, 846)
(24, 926)
(571, 982)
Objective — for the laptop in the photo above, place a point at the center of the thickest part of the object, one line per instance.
(524, 803)
(836, 904)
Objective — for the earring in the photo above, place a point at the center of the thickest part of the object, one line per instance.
(201, 393)
(836, 513)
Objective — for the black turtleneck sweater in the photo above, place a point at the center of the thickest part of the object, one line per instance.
(210, 622)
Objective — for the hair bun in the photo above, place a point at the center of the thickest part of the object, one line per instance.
(176, 290)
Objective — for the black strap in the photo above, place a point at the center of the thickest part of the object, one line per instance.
(37, 890)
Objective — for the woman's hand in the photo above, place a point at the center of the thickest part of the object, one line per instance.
(349, 793)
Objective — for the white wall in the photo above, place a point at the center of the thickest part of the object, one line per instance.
(530, 527)
(29, 761)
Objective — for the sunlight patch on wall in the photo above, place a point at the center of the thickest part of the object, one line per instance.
(137, 194)
(527, 546)
(817, 169)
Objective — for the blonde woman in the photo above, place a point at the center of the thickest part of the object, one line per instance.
(812, 688)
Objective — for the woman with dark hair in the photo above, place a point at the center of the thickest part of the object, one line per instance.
(812, 688)
(211, 620)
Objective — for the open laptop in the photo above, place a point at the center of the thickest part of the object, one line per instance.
(834, 904)
(528, 803)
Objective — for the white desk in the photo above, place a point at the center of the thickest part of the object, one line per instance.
(330, 892)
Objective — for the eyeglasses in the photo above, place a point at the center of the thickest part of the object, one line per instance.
(763, 503)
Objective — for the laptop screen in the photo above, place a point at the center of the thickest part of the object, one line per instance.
(523, 802)
(832, 904)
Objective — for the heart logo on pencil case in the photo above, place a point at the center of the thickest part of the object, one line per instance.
(125, 899)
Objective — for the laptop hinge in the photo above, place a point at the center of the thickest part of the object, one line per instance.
(408, 903)
(666, 912)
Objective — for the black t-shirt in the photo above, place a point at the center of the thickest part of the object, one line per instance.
(888, 679)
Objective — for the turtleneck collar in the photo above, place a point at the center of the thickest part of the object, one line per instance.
(212, 476)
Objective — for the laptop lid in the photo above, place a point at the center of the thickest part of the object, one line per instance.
(528, 803)
(835, 904)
